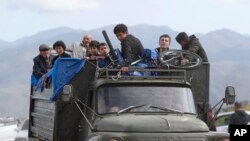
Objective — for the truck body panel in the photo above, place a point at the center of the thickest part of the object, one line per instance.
(62, 120)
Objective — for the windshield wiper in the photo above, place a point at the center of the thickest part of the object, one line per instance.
(166, 109)
(149, 106)
(130, 108)
(190, 113)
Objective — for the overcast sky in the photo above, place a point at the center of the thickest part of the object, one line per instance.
(21, 18)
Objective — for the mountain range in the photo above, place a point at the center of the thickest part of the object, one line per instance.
(227, 52)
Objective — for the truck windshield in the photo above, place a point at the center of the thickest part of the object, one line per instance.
(113, 99)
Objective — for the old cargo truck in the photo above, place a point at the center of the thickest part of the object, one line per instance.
(105, 105)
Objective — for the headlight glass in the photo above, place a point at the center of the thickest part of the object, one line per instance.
(226, 139)
(95, 138)
(223, 139)
(113, 139)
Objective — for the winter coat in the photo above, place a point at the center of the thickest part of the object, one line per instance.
(239, 117)
(40, 66)
(132, 49)
(195, 46)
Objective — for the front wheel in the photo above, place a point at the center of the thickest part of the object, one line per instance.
(179, 59)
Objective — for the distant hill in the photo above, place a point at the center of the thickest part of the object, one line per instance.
(226, 49)
(3, 45)
(225, 44)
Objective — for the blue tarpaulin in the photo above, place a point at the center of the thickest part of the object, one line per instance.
(149, 54)
(63, 71)
(34, 80)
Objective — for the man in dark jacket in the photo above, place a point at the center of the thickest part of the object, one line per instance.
(239, 117)
(42, 62)
(131, 47)
(192, 44)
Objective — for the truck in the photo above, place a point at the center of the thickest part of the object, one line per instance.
(104, 105)
(165, 103)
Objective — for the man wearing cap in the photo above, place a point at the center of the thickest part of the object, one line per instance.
(192, 44)
(42, 62)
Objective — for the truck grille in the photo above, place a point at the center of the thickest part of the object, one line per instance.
(168, 139)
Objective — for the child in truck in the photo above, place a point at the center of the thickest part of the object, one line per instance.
(104, 52)
(93, 50)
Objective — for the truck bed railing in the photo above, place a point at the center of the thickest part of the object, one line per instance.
(141, 73)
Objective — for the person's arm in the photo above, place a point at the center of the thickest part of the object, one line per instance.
(37, 69)
(127, 53)
(194, 47)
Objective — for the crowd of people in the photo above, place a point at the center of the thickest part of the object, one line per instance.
(131, 50)
(92, 50)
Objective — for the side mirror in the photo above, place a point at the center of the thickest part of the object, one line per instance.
(67, 92)
(229, 95)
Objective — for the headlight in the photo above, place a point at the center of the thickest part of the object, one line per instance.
(95, 138)
(106, 138)
(115, 139)
(223, 139)
(226, 139)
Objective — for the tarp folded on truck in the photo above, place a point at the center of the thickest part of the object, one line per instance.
(62, 72)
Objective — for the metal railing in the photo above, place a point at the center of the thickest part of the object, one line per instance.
(142, 73)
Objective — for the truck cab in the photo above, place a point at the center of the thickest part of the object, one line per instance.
(110, 106)
(145, 107)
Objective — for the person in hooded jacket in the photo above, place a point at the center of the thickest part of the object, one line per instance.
(239, 117)
(192, 44)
